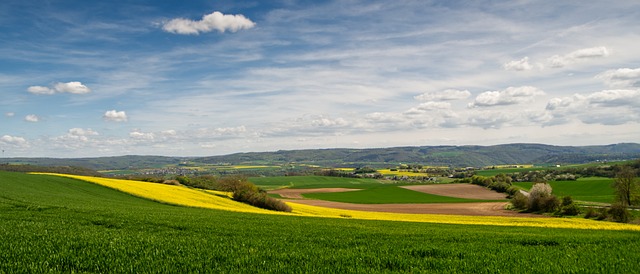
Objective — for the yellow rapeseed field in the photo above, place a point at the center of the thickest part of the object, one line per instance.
(179, 195)
(401, 173)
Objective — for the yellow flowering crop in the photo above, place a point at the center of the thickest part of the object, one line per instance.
(401, 173)
(179, 195)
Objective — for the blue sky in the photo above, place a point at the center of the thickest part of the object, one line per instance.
(196, 78)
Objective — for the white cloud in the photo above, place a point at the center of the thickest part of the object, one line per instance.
(509, 96)
(487, 119)
(41, 90)
(518, 65)
(32, 118)
(621, 78)
(10, 114)
(615, 98)
(14, 141)
(115, 116)
(75, 136)
(143, 136)
(210, 22)
(328, 122)
(558, 61)
(445, 95)
(428, 106)
(69, 87)
(607, 107)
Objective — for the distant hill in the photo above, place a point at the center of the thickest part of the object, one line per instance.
(455, 156)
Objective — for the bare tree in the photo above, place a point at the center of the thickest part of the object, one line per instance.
(626, 186)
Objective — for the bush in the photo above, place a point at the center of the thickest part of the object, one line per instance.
(549, 203)
(519, 201)
(619, 213)
(568, 207)
(512, 191)
(538, 197)
(248, 193)
(567, 200)
(571, 210)
(591, 213)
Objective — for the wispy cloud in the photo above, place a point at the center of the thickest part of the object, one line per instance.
(32, 118)
(558, 61)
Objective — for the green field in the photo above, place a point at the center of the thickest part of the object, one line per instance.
(373, 192)
(54, 224)
(494, 172)
(313, 182)
(584, 189)
(387, 194)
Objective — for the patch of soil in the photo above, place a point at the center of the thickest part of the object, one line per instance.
(466, 191)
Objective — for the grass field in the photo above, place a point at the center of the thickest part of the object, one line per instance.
(584, 189)
(313, 182)
(56, 224)
(494, 172)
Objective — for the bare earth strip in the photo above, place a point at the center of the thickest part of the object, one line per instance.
(466, 191)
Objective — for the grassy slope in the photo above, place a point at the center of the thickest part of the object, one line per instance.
(584, 189)
(50, 224)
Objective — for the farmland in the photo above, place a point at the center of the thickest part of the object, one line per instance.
(56, 224)
(591, 189)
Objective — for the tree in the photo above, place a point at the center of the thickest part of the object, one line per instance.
(626, 186)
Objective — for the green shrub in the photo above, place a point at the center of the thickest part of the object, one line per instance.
(568, 207)
(567, 200)
(519, 201)
(248, 193)
(512, 191)
(619, 213)
(549, 204)
(570, 210)
(591, 213)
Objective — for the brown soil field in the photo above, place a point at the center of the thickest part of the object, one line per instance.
(466, 191)
(452, 190)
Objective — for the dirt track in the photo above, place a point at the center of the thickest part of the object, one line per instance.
(452, 190)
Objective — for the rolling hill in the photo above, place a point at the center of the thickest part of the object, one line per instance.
(455, 156)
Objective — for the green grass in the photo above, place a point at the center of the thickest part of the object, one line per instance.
(59, 225)
(494, 172)
(387, 194)
(312, 182)
(593, 189)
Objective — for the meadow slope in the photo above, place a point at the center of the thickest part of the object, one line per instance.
(51, 224)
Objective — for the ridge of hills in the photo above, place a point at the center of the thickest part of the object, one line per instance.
(453, 156)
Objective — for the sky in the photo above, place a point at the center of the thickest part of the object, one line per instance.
(203, 78)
